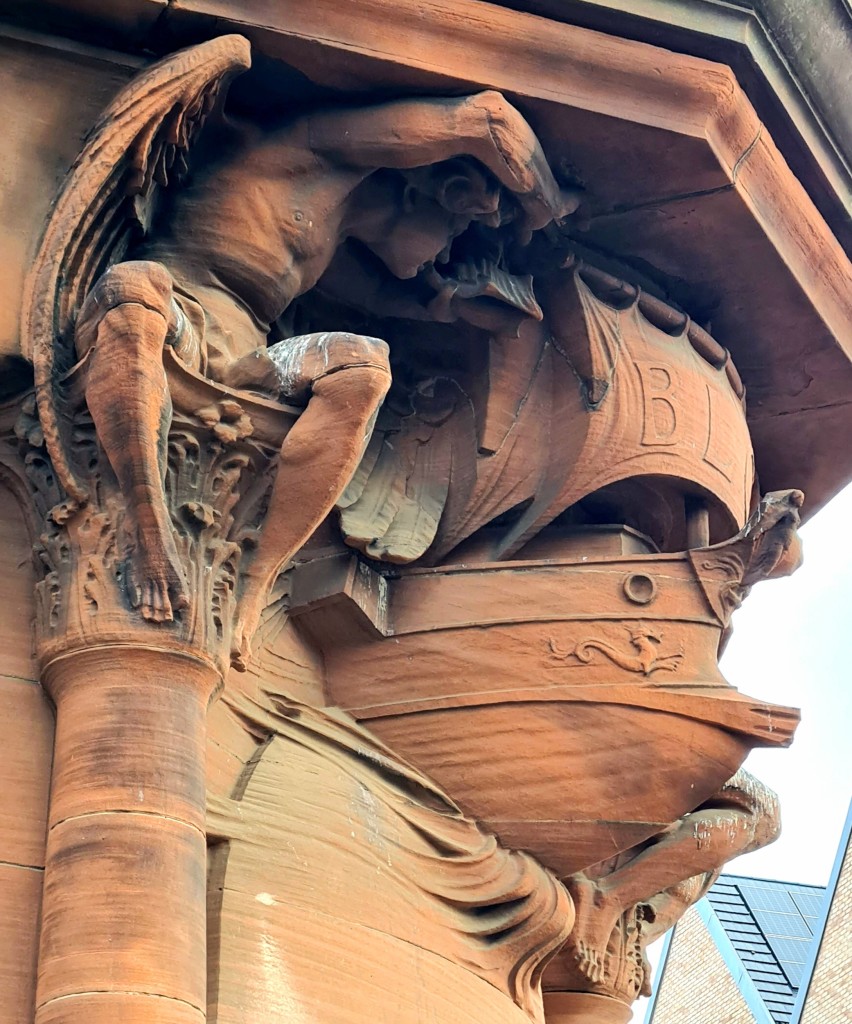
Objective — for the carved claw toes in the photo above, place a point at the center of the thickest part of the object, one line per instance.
(156, 606)
(155, 594)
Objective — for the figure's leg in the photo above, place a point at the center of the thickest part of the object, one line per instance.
(346, 377)
(125, 321)
(668, 907)
(743, 816)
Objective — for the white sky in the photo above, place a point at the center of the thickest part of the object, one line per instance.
(792, 644)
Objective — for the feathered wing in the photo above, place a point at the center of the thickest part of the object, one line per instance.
(138, 147)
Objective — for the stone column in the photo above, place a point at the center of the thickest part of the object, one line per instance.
(502, 677)
(584, 1008)
(123, 933)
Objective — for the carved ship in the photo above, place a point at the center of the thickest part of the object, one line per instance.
(506, 676)
(506, 681)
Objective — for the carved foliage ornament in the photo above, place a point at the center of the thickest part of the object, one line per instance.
(178, 460)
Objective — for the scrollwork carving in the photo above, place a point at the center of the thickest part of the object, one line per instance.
(647, 660)
(767, 547)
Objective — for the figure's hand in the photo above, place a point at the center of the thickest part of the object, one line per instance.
(448, 307)
(510, 149)
(471, 301)
(443, 307)
(537, 214)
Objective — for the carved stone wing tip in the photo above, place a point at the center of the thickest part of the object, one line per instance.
(140, 142)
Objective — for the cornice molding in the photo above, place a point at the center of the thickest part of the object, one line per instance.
(792, 60)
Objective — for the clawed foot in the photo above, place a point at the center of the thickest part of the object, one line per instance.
(155, 581)
(590, 961)
(251, 606)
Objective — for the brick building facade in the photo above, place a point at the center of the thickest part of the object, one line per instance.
(762, 952)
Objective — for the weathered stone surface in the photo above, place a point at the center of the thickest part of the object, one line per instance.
(49, 97)
(394, 468)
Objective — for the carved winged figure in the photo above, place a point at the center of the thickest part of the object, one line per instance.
(138, 256)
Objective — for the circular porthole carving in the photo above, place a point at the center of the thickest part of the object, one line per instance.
(639, 588)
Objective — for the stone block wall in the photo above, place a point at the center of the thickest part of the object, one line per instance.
(829, 998)
(49, 99)
(26, 749)
(697, 986)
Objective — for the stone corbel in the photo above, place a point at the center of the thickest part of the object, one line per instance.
(546, 654)
(163, 510)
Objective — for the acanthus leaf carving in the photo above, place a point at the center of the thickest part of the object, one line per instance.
(122, 325)
(217, 483)
(178, 462)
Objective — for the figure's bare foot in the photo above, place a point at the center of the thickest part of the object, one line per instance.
(252, 603)
(596, 915)
(156, 583)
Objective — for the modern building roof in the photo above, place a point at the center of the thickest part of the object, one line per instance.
(771, 926)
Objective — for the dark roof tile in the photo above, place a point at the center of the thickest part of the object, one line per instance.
(770, 925)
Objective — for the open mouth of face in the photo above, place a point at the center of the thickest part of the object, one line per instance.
(473, 268)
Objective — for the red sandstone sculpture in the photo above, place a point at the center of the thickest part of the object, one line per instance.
(257, 227)
(547, 476)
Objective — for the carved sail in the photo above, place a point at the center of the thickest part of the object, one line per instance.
(559, 423)
(654, 407)
(505, 683)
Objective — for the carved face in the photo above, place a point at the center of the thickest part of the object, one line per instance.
(437, 204)
(419, 236)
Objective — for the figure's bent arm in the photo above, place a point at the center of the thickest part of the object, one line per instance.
(413, 133)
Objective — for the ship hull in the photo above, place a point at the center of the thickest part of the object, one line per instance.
(575, 708)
